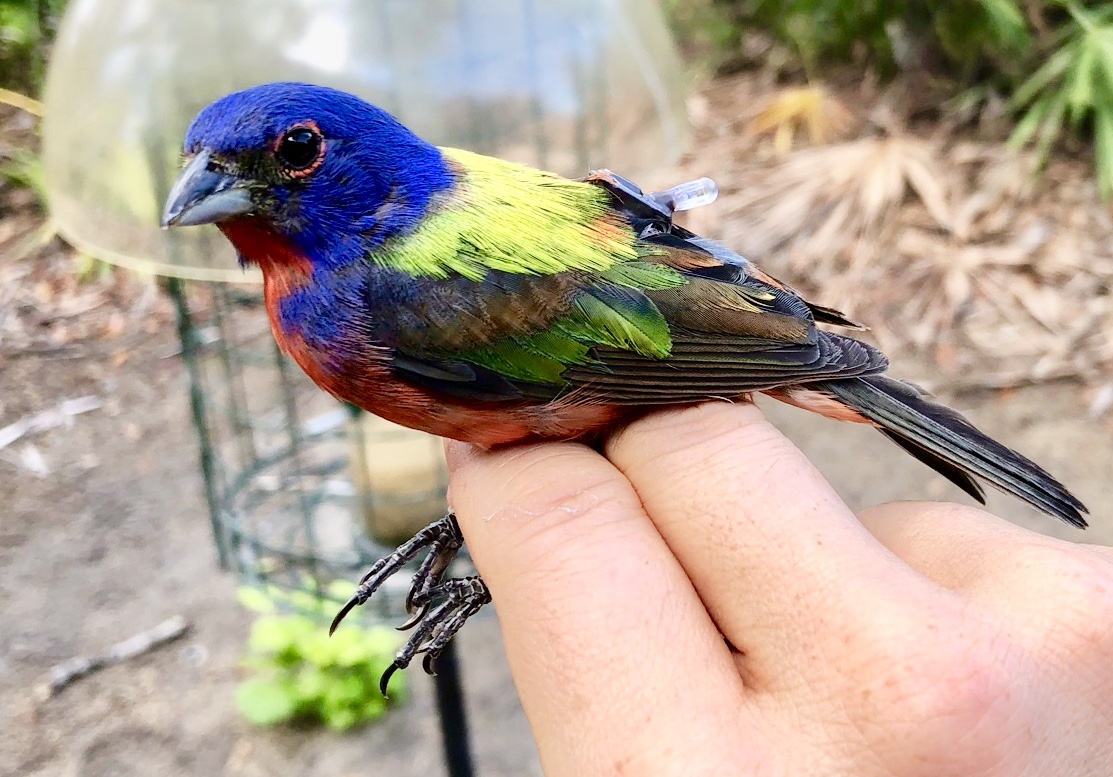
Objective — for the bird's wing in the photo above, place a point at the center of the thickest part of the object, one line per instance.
(642, 312)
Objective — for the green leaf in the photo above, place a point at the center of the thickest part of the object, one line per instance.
(1080, 84)
(339, 590)
(318, 649)
(1052, 125)
(255, 600)
(1103, 147)
(1029, 123)
(1053, 69)
(382, 641)
(311, 684)
(342, 719)
(19, 26)
(1104, 60)
(1006, 18)
(264, 702)
(376, 705)
(305, 602)
(271, 634)
(276, 634)
(346, 689)
(349, 648)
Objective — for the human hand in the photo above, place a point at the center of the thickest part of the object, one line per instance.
(915, 639)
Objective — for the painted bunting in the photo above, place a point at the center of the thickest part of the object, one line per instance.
(493, 303)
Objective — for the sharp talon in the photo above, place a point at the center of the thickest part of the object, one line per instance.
(410, 598)
(428, 663)
(347, 608)
(436, 607)
(384, 681)
(415, 618)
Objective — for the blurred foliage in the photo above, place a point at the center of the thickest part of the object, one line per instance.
(967, 38)
(302, 674)
(1053, 58)
(26, 29)
(1073, 87)
(24, 168)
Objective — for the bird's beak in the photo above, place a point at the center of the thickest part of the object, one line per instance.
(204, 196)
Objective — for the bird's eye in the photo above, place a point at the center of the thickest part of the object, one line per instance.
(299, 150)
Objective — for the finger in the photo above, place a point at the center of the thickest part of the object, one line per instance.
(1024, 578)
(602, 627)
(781, 562)
(951, 544)
(1102, 550)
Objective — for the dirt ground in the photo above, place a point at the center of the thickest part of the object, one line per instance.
(112, 537)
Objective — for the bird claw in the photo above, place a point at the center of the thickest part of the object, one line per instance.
(458, 599)
(438, 608)
(415, 617)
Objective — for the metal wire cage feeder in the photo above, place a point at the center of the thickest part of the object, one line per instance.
(302, 491)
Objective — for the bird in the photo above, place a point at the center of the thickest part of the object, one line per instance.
(487, 301)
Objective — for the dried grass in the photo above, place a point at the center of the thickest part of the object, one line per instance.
(946, 247)
(810, 110)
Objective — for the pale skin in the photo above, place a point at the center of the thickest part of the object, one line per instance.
(912, 640)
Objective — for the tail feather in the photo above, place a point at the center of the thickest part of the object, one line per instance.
(952, 446)
(952, 472)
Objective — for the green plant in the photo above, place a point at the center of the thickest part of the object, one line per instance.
(1074, 85)
(24, 168)
(26, 29)
(967, 36)
(302, 674)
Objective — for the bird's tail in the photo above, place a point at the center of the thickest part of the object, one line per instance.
(949, 444)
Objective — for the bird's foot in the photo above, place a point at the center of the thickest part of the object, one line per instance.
(437, 607)
(455, 600)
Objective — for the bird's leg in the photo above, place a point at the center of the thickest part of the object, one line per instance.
(442, 539)
(459, 598)
(438, 608)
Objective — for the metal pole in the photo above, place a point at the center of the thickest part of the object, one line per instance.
(450, 707)
(191, 358)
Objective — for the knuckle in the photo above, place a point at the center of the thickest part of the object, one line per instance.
(1070, 603)
(934, 699)
(941, 682)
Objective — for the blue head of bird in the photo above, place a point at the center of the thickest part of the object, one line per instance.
(320, 168)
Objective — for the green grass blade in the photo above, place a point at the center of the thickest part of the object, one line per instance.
(1029, 123)
(1052, 70)
(1103, 148)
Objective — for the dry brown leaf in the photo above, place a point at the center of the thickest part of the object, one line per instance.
(811, 109)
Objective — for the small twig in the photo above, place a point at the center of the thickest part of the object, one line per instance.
(48, 419)
(67, 672)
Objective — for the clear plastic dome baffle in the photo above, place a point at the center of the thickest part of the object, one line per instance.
(567, 85)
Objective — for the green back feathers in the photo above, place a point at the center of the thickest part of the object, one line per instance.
(510, 218)
(602, 316)
(505, 216)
